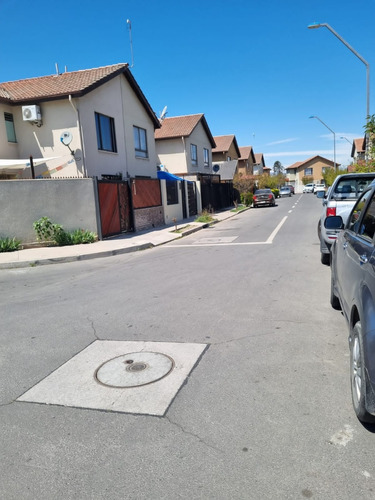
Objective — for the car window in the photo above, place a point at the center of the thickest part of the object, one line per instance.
(350, 188)
(368, 222)
(356, 212)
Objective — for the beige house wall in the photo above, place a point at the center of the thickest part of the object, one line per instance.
(222, 156)
(115, 99)
(175, 154)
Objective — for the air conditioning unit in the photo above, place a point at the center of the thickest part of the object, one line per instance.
(31, 113)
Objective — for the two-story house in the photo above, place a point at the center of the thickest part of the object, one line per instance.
(312, 168)
(246, 161)
(94, 122)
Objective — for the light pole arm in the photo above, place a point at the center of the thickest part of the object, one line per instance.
(326, 25)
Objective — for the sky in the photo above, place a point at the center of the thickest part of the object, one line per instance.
(253, 68)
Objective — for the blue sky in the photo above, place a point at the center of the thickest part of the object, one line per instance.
(253, 68)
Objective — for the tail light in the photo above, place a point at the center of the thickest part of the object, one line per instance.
(254, 198)
(270, 196)
(331, 211)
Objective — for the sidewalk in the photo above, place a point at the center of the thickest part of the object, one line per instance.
(124, 243)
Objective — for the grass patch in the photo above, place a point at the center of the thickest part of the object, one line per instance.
(239, 208)
(204, 217)
(181, 229)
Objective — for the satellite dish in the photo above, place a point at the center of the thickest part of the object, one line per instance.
(66, 138)
(216, 168)
(163, 113)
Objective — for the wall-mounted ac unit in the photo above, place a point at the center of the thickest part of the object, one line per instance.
(31, 113)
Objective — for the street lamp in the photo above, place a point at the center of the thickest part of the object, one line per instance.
(334, 139)
(325, 25)
(350, 142)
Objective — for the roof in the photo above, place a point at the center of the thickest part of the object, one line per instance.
(246, 152)
(259, 158)
(300, 163)
(182, 126)
(359, 145)
(74, 83)
(224, 142)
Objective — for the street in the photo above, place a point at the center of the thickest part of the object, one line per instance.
(263, 410)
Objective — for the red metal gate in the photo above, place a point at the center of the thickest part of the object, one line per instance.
(115, 208)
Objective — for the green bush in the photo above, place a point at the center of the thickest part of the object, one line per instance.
(9, 244)
(48, 231)
(205, 216)
(276, 192)
(45, 229)
(247, 198)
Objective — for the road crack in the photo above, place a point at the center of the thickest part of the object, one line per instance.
(201, 440)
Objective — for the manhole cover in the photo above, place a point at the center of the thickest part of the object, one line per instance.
(134, 369)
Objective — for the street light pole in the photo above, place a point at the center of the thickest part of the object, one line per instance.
(334, 139)
(325, 25)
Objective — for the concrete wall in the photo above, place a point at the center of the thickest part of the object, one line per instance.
(146, 218)
(69, 202)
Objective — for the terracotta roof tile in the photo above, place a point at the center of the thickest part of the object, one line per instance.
(177, 126)
(299, 163)
(360, 145)
(259, 158)
(54, 86)
(223, 143)
(182, 126)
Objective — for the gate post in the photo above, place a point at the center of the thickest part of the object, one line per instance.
(97, 208)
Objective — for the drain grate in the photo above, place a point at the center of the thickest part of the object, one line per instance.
(134, 369)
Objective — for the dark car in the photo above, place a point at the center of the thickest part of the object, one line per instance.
(353, 291)
(263, 197)
(290, 187)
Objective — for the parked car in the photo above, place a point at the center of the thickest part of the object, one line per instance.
(319, 187)
(340, 198)
(353, 291)
(285, 191)
(308, 188)
(263, 197)
(291, 187)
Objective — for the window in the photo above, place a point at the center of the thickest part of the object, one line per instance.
(368, 222)
(229, 158)
(140, 142)
(206, 157)
(172, 192)
(105, 133)
(9, 126)
(356, 214)
(308, 171)
(194, 154)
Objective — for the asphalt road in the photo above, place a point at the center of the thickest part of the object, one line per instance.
(265, 411)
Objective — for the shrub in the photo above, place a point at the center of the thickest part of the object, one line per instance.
(9, 244)
(247, 198)
(205, 216)
(45, 229)
(48, 231)
(276, 193)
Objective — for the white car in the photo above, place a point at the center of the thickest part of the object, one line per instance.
(319, 187)
(308, 188)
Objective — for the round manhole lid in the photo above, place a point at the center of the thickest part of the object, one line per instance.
(134, 369)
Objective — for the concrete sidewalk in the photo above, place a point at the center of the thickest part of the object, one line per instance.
(129, 242)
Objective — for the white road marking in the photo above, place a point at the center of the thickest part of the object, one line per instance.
(208, 243)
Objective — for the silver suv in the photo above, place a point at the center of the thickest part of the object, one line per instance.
(339, 200)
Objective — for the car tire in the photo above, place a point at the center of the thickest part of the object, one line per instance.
(325, 258)
(358, 382)
(334, 300)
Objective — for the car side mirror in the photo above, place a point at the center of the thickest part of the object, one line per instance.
(320, 194)
(334, 223)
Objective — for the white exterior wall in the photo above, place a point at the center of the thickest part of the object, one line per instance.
(200, 139)
(117, 100)
(171, 211)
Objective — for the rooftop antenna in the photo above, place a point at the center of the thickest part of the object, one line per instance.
(131, 41)
(163, 114)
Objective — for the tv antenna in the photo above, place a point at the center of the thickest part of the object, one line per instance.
(163, 114)
(128, 22)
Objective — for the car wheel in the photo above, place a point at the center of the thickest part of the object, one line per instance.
(325, 258)
(335, 303)
(358, 375)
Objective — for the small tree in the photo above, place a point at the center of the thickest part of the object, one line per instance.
(278, 168)
(307, 179)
